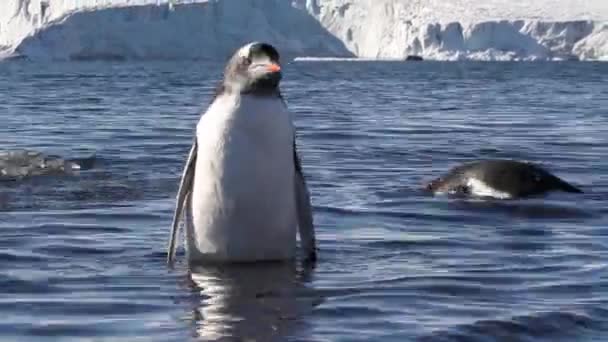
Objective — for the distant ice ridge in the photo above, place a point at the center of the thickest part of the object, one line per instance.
(370, 29)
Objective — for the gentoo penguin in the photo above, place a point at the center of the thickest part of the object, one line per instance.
(499, 178)
(17, 164)
(242, 191)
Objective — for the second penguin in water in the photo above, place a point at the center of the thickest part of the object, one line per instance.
(499, 178)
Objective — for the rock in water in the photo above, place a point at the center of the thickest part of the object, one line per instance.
(413, 58)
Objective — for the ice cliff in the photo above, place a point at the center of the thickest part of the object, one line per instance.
(469, 29)
(145, 29)
(377, 29)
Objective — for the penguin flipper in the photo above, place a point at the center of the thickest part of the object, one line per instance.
(183, 192)
(304, 209)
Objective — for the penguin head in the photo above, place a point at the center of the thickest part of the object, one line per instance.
(254, 68)
(433, 185)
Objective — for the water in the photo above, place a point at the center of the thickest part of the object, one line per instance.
(83, 257)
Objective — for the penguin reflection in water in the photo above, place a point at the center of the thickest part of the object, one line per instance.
(500, 179)
(242, 192)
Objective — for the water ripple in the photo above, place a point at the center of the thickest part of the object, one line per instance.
(82, 256)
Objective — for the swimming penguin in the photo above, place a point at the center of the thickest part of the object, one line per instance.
(499, 178)
(242, 191)
(18, 164)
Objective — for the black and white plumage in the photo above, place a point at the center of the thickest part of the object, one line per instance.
(18, 164)
(499, 178)
(242, 192)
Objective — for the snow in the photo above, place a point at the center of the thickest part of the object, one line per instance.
(368, 29)
(469, 29)
(145, 29)
(594, 46)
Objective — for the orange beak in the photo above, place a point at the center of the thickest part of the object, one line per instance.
(273, 67)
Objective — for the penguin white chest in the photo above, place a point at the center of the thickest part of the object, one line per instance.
(243, 202)
(481, 189)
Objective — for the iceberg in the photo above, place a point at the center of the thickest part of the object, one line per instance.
(469, 29)
(308, 29)
(135, 30)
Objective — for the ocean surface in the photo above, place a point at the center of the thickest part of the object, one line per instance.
(82, 258)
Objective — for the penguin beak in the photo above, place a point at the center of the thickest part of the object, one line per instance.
(265, 68)
(273, 67)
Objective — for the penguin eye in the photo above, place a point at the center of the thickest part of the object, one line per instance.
(246, 60)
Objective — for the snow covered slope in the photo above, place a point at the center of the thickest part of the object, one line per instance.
(386, 29)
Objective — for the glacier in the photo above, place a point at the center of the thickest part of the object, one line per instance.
(515, 30)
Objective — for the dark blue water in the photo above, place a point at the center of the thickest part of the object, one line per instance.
(82, 257)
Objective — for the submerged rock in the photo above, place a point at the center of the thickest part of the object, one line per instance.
(413, 58)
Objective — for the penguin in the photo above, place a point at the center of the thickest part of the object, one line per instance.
(21, 163)
(500, 179)
(243, 192)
